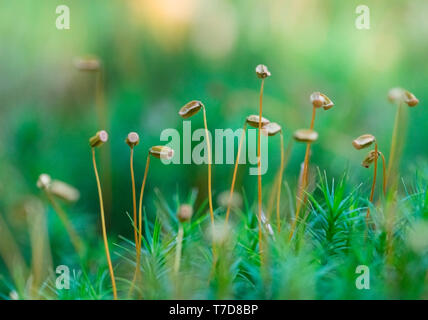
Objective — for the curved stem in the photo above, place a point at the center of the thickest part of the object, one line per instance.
(74, 238)
(278, 193)
(392, 165)
(103, 224)
(299, 199)
(178, 248)
(210, 199)
(235, 170)
(374, 180)
(275, 186)
(308, 149)
(140, 227)
(313, 118)
(383, 173)
(134, 200)
(259, 169)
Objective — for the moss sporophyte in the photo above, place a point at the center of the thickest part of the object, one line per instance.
(220, 233)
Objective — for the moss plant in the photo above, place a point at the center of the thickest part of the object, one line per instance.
(188, 110)
(235, 170)
(262, 73)
(41, 257)
(48, 187)
(307, 136)
(363, 142)
(273, 195)
(384, 173)
(94, 66)
(184, 214)
(132, 140)
(253, 121)
(96, 141)
(318, 100)
(400, 97)
(160, 152)
(272, 129)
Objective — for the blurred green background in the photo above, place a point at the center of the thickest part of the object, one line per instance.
(158, 55)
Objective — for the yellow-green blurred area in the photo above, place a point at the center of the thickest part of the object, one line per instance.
(159, 54)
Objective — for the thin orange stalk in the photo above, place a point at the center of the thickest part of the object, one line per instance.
(374, 181)
(210, 199)
(259, 168)
(134, 200)
(299, 199)
(278, 194)
(383, 173)
(313, 118)
(140, 227)
(235, 170)
(393, 163)
(103, 224)
(74, 238)
(273, 195)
